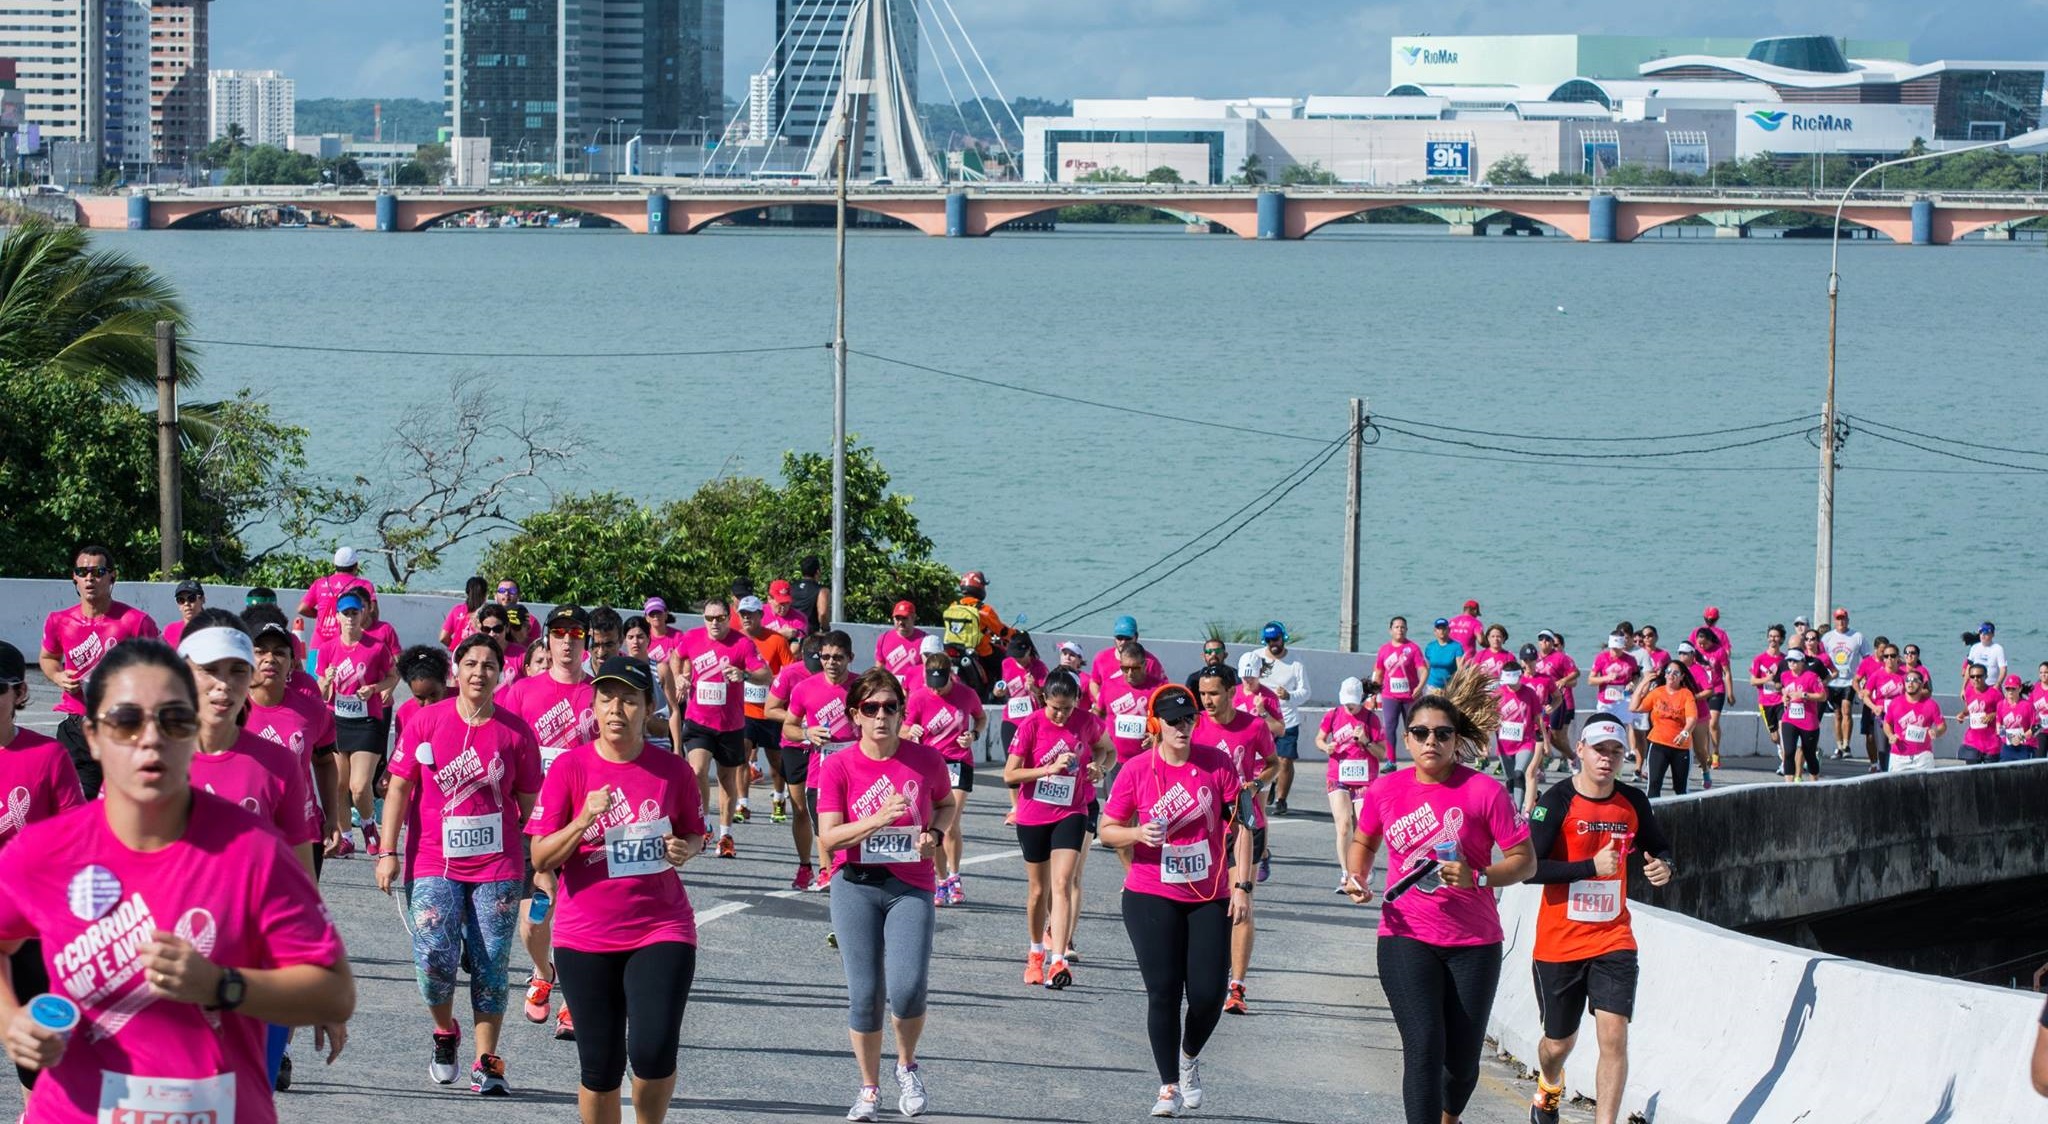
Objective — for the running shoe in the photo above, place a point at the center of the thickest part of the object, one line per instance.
(1280, 807)
(1714, 762)
(831, 940)
(710, 841)
(487, 1076)
(346, 847)
(1234, 1003)
(778, 810)
(1169, 1101)
(1058, 976)
(370, 838)
(1543, 1107)
(1265, 868)
(939, 898)
(727, 848)
(1073, 955)
(538, 993)
(1190, 1081)
(954, 894)
(742, 814)
(1707, 779)
(753, 774)
(912, 1100)
(1034, 968)
(565, 1027)
(284, 1074)
(867, 1106)
(1342, 882)
(442, 1068)
(823, 883)
(803, 878)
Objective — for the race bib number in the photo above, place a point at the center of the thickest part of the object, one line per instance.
(634, 849)
(470, 837)
(1610, 693)
(349, 706)
(1130, 727)
(126, 1099)
(1915, 735)
(1182, 863)
(1354, 772)
(890, 845)
(1795, 710)
(1979, 720)
(1056, 791)
(1511, 731)
(953, 773)
(754, 694)
(830, 748)
(1397, 684)
(710, 692)
(1595, 899)
(548, 753)
(1017, 709)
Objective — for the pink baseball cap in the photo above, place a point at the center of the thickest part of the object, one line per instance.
(1712, 613)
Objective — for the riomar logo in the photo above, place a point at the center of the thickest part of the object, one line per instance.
(1413, 55)
(1410, 54)
(1768, 120)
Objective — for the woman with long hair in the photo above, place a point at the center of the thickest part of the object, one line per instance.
(1674, 709)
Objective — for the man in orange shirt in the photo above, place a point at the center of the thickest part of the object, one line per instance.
(763, 734)
(1583, 831)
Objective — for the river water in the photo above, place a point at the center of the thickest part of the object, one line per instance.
(1056, 500)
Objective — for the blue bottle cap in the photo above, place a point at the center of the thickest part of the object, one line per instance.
(54, 1012)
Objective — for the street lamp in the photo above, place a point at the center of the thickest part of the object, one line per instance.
(1824, 537)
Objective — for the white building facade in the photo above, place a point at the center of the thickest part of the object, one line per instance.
(262, 102)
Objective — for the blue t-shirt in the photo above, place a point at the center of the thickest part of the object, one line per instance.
(1443, 660)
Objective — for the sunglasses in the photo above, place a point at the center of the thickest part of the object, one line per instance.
(91, 571)
(878, 709)
(712, 618)
(492, 630)
(834, 657)
(1215, 651)
(127, 722)
(566, 632)
(189, 598)
(508, 589)
(1426, 734)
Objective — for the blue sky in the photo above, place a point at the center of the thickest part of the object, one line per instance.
(1064, 48)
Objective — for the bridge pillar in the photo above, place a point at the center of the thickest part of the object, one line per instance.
(1602, 212)
(387, 212)
(1731, 232)
(956, 214)
(657, 213)
(1272, 215)
(138, 212)
(1923, 222)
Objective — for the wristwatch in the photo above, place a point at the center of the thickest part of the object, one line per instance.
(229, 993)
(1480, 880)
(1245, 886)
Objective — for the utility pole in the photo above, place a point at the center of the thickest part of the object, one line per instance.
(170, 518)
(839, 398)
(1824, 535)
(1347, 609)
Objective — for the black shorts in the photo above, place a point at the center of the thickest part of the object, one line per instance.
(1869, 721)
(763, 733)
(358, 735)
(796, 764)
(966, 770)
(1039, 841)
(1773, 713)
(1840, 698)
(1258, 843)
(1095, 817)
(1560, 716)
(728, 747)
(1716, 702)
(1566, 989)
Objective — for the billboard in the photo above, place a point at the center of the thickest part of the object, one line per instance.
(1447, 159)
(1600, 158)
(1690, 157)
(1805, 128)
(1079, 159)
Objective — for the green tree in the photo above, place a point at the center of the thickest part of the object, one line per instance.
(1509, 171)
(1164, 174)
(1311, 173)
(269, 164)
(65, 308)
(1252, 171)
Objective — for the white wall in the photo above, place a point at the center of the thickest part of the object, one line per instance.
(1733, 1028)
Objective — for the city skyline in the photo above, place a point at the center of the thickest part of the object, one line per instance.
(1069, 48)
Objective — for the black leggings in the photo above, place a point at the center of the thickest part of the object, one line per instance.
(1668, 758)
(644, 989)
(29, 981)
(1801, 750)
(1440, 998)
(1181, 948)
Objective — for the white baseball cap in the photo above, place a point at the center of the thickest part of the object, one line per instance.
(1248, 665)
(932, 646)
(1070, 646)
(344, 557)
(1603, 729)
(212, 645)
(1351, 692)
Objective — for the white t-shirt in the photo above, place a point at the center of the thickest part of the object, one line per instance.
(1847, 650)
(1287, 674)
(1988, 656)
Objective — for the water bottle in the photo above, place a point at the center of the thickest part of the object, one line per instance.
(537, 913)
(1160, 822)
(1447, 851)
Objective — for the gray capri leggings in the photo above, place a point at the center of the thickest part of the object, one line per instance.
(1517, 765)
(885, 941)
(1394, 720)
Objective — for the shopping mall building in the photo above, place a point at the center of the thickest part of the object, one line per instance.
(1564, 104)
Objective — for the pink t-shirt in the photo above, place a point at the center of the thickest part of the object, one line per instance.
(1804, 713)
(463, 824)
(1767, 666)
(558, 713)
(230, 888)
(351, 667)
(1400, 670)
(1616, 670)
(1248, 744)
(83, 641)
(1038, 742)
(321, 596)
(1558, 666)
(300, 722)
(383, 633)
(1469, 807)
(1884, 686)
(458, 624)
(899, 654)
(618, 891)
(174, 632)
(267, 781)
(1124, 708)
(2016, 721)
(784, 688)
(2039, 698)
(1912, 725)
(945, 719)
(709, 700)
(1195, 800)
(1926, 673)
(1980, 718)
(1018, 682)
(1352, 737)
(855, 785)
(1107, 666)
(817, 701)
(37, 781)
(1521, 719)
(662, 647)
(1467, 630)
(1257, 698)
(1491, 661)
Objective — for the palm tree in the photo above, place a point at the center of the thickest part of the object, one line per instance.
(1253, 170)
(65, 308)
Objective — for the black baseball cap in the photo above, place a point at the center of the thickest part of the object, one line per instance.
(569, 614)
(632, 672)
(1173, 705)
(13, 669)
(189, 585)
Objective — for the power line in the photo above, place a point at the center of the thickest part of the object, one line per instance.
(564, 355)
(1951, 440)
(1085, 401)
(1643, 438)
(1381, 420)
(2028, 469)
(1744, 468)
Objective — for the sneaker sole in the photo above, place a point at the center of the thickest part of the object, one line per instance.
(533, 1017)
(1059, 981)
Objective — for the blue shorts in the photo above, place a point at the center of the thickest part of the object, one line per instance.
(1288, 745)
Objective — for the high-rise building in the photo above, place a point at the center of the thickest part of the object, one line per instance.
(262, 102)
(546, 80)
(809, 36)
(57, 46)
(761, 106)
(121, 82)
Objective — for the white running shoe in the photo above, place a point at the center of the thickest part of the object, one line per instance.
(1190, 1081)
(911, 1083)
(867, 1106)
(442, 1067)
(1169, 1102)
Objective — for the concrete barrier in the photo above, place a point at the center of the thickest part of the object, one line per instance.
(1730, 1028)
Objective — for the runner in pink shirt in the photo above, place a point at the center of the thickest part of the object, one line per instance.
(285, 708)
(899, 648)
(1347, 736)
(1614, 673)
(1246, 741)
(1439, 941)
(1075, 660)
(946, 714)
(2018, 725)
(811, 705)
(716, 661)
(1467, 628)
(1804, 693)
(176, 924)
(1493, 653)
(1555, 664)
(1400, 671)
(2039, 697)
(1915, 723)
(37, 781)
(191, 599)
(323, 598)
(232, 762)
(463, 781)
(1021, 687)
(1979, 717)
(1125, 695)
(461, 619)
(1254, 697)
(1763, 676)
(356, 676)
(885, 806)
(1519, 736)
(617, 819)
(1054, 762)
(1879, 684)
(1123, 635)
(1172, 809)
(74, 641)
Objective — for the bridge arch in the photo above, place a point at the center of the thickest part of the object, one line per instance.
(188, 218)
(421, 214)
(987, 214)
(1305, 216)
(1634, 219)
(689, 216)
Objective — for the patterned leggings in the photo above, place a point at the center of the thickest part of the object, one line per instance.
(446, 915)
